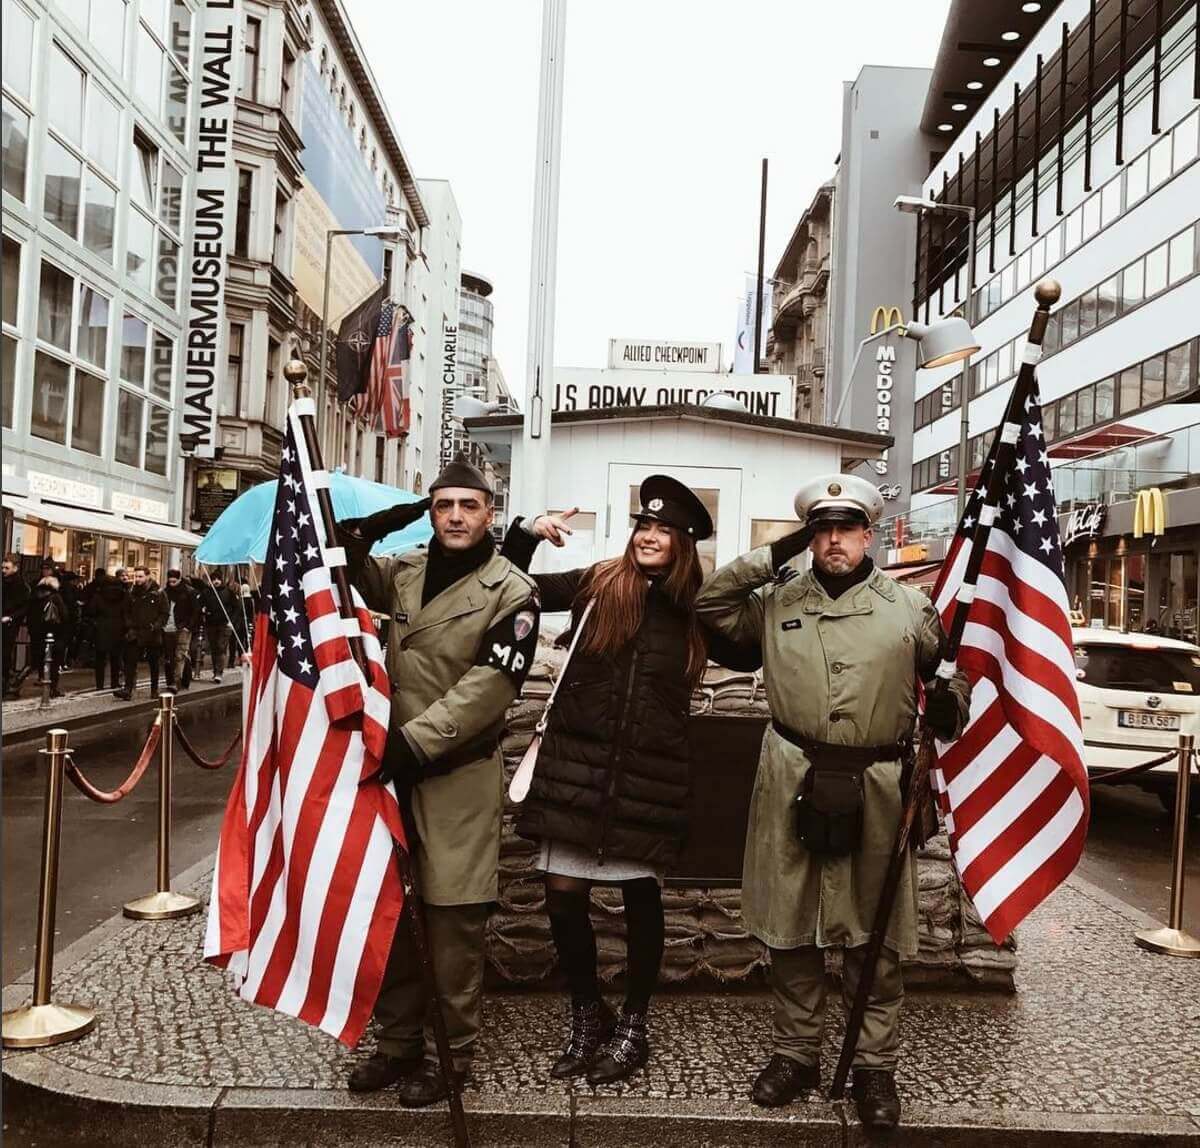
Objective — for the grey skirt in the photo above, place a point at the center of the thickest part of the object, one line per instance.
(566, 860)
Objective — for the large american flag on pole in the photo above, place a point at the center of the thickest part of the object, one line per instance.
(306, 893)
(385, 404)
(1013, 788)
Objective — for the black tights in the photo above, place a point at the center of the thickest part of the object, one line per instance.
(567, 904)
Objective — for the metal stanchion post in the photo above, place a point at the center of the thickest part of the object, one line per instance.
(164, 905)
(42, 1022)
(1172, 940)
(47, 669)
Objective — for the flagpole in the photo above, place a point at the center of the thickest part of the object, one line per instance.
(296, 373)
(539, 381)
(1047, 293)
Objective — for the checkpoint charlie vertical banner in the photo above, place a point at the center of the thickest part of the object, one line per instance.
(213, 210)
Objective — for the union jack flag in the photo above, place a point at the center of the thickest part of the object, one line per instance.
(306, 893)
(1013, 788)
(385, 403)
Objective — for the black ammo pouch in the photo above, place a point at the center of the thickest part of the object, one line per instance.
(828, 810)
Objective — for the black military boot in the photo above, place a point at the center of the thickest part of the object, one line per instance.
(592, 1023)
(623, 1054)
(783, 1080)
(875, 1097)
(427, 1085)
(380, 1071)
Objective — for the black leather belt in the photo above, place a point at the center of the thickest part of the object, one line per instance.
(853, 757)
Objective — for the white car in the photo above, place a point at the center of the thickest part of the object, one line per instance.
(1137, 693)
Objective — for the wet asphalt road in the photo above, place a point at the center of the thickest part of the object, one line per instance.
(108, 851)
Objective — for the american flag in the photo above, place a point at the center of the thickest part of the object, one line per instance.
(1013, 788)
(385, 403)
(306, 893)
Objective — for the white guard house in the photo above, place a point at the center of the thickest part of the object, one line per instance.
(745, 467)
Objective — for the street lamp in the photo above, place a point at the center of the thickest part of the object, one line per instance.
(940, 342)
(386, 234)
(918, 205)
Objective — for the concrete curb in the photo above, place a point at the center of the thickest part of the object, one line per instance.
(49, 1102)
(129, 716)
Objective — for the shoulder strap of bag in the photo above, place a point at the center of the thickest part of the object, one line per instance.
(562, 673)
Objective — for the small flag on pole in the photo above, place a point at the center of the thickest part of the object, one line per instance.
(356, 345)
(306, 892)
(1013, 788)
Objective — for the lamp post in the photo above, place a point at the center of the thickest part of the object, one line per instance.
(916, 205)
(392, 234)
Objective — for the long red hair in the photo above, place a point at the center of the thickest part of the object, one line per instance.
(619, 586)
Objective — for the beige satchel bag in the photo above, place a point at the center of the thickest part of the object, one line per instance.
(518, 788)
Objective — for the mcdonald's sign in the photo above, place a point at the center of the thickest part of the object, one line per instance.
(884, 317)
(1149, 513)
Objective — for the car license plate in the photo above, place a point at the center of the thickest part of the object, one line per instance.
(1144, 719)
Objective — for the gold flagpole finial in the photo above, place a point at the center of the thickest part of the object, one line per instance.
(296, 374)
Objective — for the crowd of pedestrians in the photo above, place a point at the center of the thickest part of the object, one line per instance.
(115, 622)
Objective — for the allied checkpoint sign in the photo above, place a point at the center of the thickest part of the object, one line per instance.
(663, 355)
(213, 211)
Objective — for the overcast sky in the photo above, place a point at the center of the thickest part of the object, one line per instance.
(669, 107)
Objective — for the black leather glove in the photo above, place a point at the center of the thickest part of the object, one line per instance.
(367, 531)
(941, 711)
(401, 763)
(785, 549)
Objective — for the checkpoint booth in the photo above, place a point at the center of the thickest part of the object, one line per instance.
(745, 467)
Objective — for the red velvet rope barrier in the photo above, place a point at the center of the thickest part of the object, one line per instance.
(1133, 770)
(190, 750)
(112, 796)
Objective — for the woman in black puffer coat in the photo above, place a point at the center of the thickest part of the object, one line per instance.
(106, 612)
(609, 798)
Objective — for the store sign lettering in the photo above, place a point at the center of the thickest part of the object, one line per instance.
(1084, 522)
(885, 362)
(449, 393)
(204, 341)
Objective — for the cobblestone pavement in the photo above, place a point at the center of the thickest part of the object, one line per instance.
(1096, 1026)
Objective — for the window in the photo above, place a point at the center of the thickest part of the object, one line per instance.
(288, 82)
(231, 394)
(1179, 370)
(73, 322)
(1104, 400)
(1109, 293)
(1156, 271)
(1088, 312)
(1130, 396)
(147, 375)
(280, 246)
(15, 129)
(1153, 380)
(8, 378)
(380, 446)
(1160, 162)
(241, 227)
(9, 290)
(1181, 259)
(161, 68)
(64, 174)
(156, 193)
(18, 51)
(1133, 285)
(249, 86)
(66, 96)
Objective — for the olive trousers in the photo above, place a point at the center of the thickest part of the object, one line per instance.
(455, 935)
(798, 984)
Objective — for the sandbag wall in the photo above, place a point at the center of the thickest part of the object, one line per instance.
(705, 939)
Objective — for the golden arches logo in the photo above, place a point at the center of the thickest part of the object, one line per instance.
(884, 317)
(1149, 513)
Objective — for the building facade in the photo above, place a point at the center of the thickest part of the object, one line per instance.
(799, 334)
(99, 111)
(885, 153)
(1081, 163)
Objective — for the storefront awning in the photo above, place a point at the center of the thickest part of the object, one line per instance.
(923, 575)
(100, 522)
(1101, 440)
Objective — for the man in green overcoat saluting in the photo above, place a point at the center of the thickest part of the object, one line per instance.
(843, 649)
(461, 635)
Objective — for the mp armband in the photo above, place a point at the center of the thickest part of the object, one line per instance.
(511, 643)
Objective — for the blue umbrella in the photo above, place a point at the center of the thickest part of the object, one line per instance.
(240, 534)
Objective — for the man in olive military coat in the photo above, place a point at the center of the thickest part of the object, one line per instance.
(843, 649)
(461, 636)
